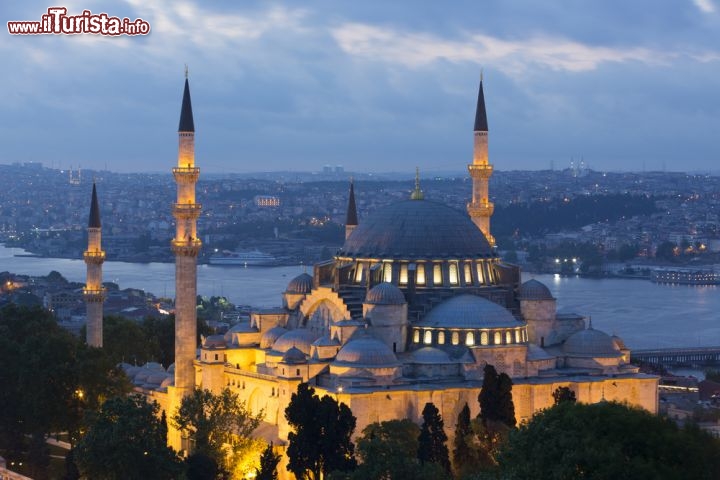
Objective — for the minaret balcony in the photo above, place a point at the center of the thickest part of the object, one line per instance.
(190, 247)
(187, 210)
(480, 171)
(186, 174)
(480, 209)
(94, 295)
(94, 257)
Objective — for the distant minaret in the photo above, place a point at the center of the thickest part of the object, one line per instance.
(94, 293)
(186, 247)
(480, 208)
(352, 219)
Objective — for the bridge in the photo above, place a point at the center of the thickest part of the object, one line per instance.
(678, 356)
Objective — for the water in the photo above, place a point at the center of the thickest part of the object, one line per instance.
(644, 314)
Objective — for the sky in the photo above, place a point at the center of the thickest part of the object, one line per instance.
(374, 86)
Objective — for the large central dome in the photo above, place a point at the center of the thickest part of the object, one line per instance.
(417, 229)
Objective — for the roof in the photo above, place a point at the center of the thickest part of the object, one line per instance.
(469, 311)
(366, 351)
(270, 336)
(385, 294)
(481, 124)
(294, 356)
(352, 218)
(303, 283)
(431, 356)
(300, 338)
(417, 229)
(94, 220)
(591, 343)
(186, 115)
(534, 290)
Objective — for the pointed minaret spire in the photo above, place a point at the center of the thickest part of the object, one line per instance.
(94, 293)
(480, 208)
(186, 115)
(417, 193)
(352, 218)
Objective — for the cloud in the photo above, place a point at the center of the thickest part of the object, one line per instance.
(705, 6)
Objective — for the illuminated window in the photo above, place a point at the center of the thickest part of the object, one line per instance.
(358, 273)
(428, 337)
(441, 338)
(484, 338)
(437, 274)
(498, 338)
(481, 277)
(468, 274)
(455, 338)
(518, 338)
(508, 337)
(420, 274)
(387, 272)
(470, 339)
(453, 273)
(416, 336)
(403, 274)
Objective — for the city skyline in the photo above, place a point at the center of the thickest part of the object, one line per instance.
(286, 86)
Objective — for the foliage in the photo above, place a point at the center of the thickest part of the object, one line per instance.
(125, 439)
(200, 467)
(432, 440)
(563, 394)
(666, 251)
(320, 440)
(462, 451)
(607, 440)
(495, 398)
(212, 308)
(268, 464)
(220, 427)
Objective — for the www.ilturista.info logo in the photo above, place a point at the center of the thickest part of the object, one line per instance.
(58, 22)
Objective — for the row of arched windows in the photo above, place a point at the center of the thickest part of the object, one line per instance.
(471, 337)
(449, 273)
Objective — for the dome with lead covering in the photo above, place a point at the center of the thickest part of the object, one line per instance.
(294, 356)
(469, 311)
(300, 338)
(417, 229)
(534, 290)
(214, 342)
(303, 283)
(270, 336)
(366, 351)
(385, 294)
(430, 355)
(591, 343)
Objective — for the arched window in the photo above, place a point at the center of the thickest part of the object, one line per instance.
(437, 274)
(468, 274)
(387, 272)
(484, 338)
(420, 280)
(441, 337)
(479, 268)
(518, 338)
(498, 339)
(403, 274)
(470, 339)
(508, 337)
(358, 273)
(453, 273)
(455, 338)
(416, 336)
(428, 337)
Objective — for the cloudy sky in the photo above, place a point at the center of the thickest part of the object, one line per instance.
(370, 85)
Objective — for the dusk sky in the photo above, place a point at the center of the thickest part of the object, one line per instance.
(370, 85)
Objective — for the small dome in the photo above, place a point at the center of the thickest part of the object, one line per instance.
(326, 341)
(366, 351)
(591, 343)
(618, 342)
(269, 337)
(294, 356)
(303, 283)
(171, 368)
(214, 341)
(156, 378)
(385, 294)
(534, 290)
(239, 329)
(469, 311)
(430, 355)
(300, 338)
(170, 380)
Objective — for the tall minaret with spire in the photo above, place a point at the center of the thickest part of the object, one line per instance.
(481, 208)
(94, 293)
(186, 247)
(352, 218)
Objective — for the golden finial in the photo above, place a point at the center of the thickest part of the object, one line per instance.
(186, 71)
(417, 194)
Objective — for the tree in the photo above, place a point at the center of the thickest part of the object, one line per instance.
(320, 440)
(220, 427)
(200, 467)
(268, 464)
(462, 453)
(666, 251)
(432, 446)
(563, 394)
(495, 398)
(125, 439)
(607, 440)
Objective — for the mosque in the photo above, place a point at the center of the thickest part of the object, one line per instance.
(408, 311)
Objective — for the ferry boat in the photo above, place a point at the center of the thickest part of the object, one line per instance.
(253, 258)
(685, 276)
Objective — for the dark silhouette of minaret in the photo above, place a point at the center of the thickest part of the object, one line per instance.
(94, 293)
(352, 219)
(480, 208)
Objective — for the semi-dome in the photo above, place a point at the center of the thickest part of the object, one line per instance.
(385, 294)
(415, 229)
(430, 355)
(300, 338)
(534, 290)
(303, 283)
(591, 343)
(366, 351)
(294, 356)
(270, 336)
(469, 311)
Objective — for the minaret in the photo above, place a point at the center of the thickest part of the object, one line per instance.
(94, 293)
(186, 247)
(480, 208)
(352, 220)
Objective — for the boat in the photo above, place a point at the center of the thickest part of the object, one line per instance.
(252, 258)
(685, 276)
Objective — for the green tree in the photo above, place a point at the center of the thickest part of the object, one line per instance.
(432, 447)
(200, 467)
(496, 403)
(219, 426)
(607, 440)
(320, 440)
(666, 251)
(463, 454)
(125, 439)
(563, 394)
(268, 464)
